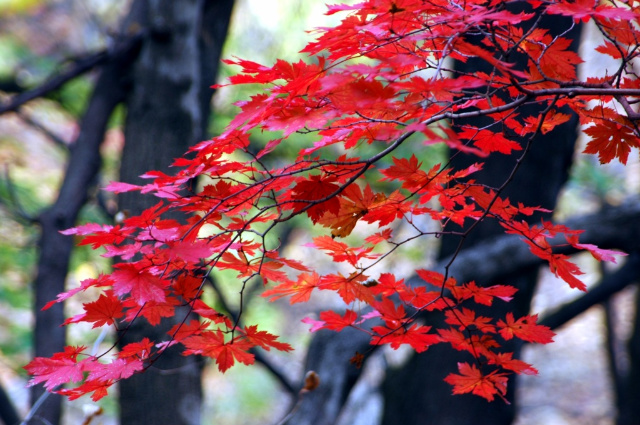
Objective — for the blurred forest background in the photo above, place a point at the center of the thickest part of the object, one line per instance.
(79, 77)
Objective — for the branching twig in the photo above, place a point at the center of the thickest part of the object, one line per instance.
(275, 371)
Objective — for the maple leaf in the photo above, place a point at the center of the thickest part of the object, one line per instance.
(506, 361)
(611, 140)
(211, 344)
(314, 193)
(465, 318)
(61, 368)
(485, 296)
(379, 237)
(566, 270)
(583, 10)
(415, 336)
(472, 380)
(599, 254)
(340, 251)
(407, 171)
(350, 288)
(153, 311)
(335, 322)
(141, 285)
(140, 349)
(120, 368)
(101, 281)
(190, 251)
(525, 328)
(354, 204)
(98, 388)
(300, 289)
(489, 141)
(104, 311)
(264, 339)
(121, 187)
(550, 121)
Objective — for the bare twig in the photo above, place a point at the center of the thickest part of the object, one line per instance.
(275, 371)
(16, 207)
(41, 128)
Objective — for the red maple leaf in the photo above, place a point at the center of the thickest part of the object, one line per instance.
(472, 380)
(141, 285)
(300, 289)
(611, 140)
(335, 322)
(485, 296)
(525, 328)
(489, 142)
(211, 344)
(61, 368)
(506, 361)
(415, 336)
(120, 368)
(264, 339)
(104, 311)
(314, 194)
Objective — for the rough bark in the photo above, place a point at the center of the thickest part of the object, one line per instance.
(166, 113)
(329, 355)
(55, 248)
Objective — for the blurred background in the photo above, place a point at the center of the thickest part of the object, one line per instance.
(79, 77)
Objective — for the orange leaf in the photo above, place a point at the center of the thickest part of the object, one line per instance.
(300, 290)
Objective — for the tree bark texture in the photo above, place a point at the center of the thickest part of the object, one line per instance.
(329, 355)
(167, 112)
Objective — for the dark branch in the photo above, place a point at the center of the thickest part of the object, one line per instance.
(505, 255)
(609, 285)
(55, 248)
(80, 67)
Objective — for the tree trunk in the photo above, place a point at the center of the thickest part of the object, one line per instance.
(629, 397)
(167, 113)
(55, 248)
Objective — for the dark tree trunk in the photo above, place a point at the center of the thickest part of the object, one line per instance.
(167, 111)
(55, 248)
(629, 396)
(416, 392)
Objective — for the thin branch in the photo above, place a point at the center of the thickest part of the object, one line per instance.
(277, 373)
(16, 207)
(41, 128)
